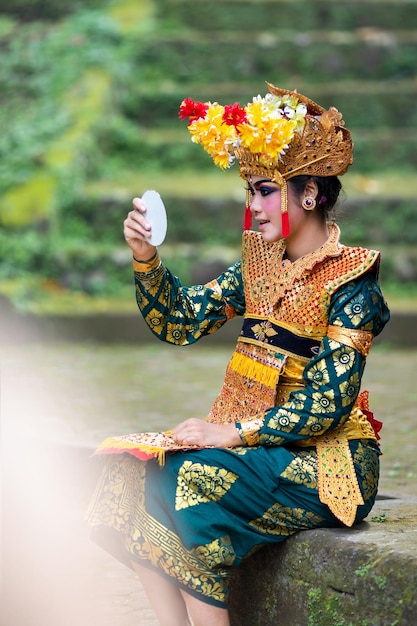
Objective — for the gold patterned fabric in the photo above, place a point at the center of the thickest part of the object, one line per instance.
(250, 384)
(300, 291)
(338, 485)
(296, 299)
(309, 456)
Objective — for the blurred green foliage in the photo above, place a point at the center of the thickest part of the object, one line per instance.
(90, 93)
(27, 10)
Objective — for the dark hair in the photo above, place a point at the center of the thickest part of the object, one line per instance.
(329, 188)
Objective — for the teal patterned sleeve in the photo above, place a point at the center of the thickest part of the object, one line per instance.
(333, 377)
(182, 315)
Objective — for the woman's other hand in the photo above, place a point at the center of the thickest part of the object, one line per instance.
(137, 231)
(197, 432)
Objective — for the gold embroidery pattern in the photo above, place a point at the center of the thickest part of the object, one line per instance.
(240, 450)
(197, 483)
(248, 431)
(230, 311)
(148, 275)
(218, 551)
(155, 320)
(368, 462)
(318, 373)
(120, 487)
(175, 333)
(151, 285)
(284, 521)
(164, 550)
(323, 402)
(360, 340)
(249, 386)
(259, 290)
(303, 288)
(120, 504)
(343, 358)
(349, 389)
(314, 426)
(338, 485)
(284, 420)
(263, 330)
(356, 427)
(146, 268)
(141, 297)
(357, 309)
(302, 470)
(303, 296)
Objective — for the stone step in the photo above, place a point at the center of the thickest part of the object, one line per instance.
(172, 150)
(155, 104)
(288, 14)
(195, 219)
(284, 56)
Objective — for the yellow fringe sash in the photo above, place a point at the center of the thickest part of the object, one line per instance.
(250, 384)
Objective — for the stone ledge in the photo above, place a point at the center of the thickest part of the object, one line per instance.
(20, 329)
(361, 576)
(365, 576)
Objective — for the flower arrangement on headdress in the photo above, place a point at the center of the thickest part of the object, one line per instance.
(265, 127)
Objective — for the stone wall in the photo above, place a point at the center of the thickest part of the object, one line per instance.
(364, 576)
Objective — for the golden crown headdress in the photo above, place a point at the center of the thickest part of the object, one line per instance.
(278, 136)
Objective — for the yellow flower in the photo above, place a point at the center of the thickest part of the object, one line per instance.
(267, 131)
(216, 137)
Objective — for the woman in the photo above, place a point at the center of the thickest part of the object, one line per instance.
(289, 443)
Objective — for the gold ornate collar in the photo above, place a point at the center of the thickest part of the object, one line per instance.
(287, 272)
(330, 248)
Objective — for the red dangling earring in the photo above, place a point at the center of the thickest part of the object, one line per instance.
(285, 225)
(285, 220)
(247, 218)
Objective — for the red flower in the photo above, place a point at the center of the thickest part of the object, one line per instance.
(193, 110)
(233, 115)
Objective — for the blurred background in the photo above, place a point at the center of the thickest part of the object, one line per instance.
(89, 93)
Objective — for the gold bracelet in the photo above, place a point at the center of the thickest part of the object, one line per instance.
(145, 267)
(249, 431)
(145, 260)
